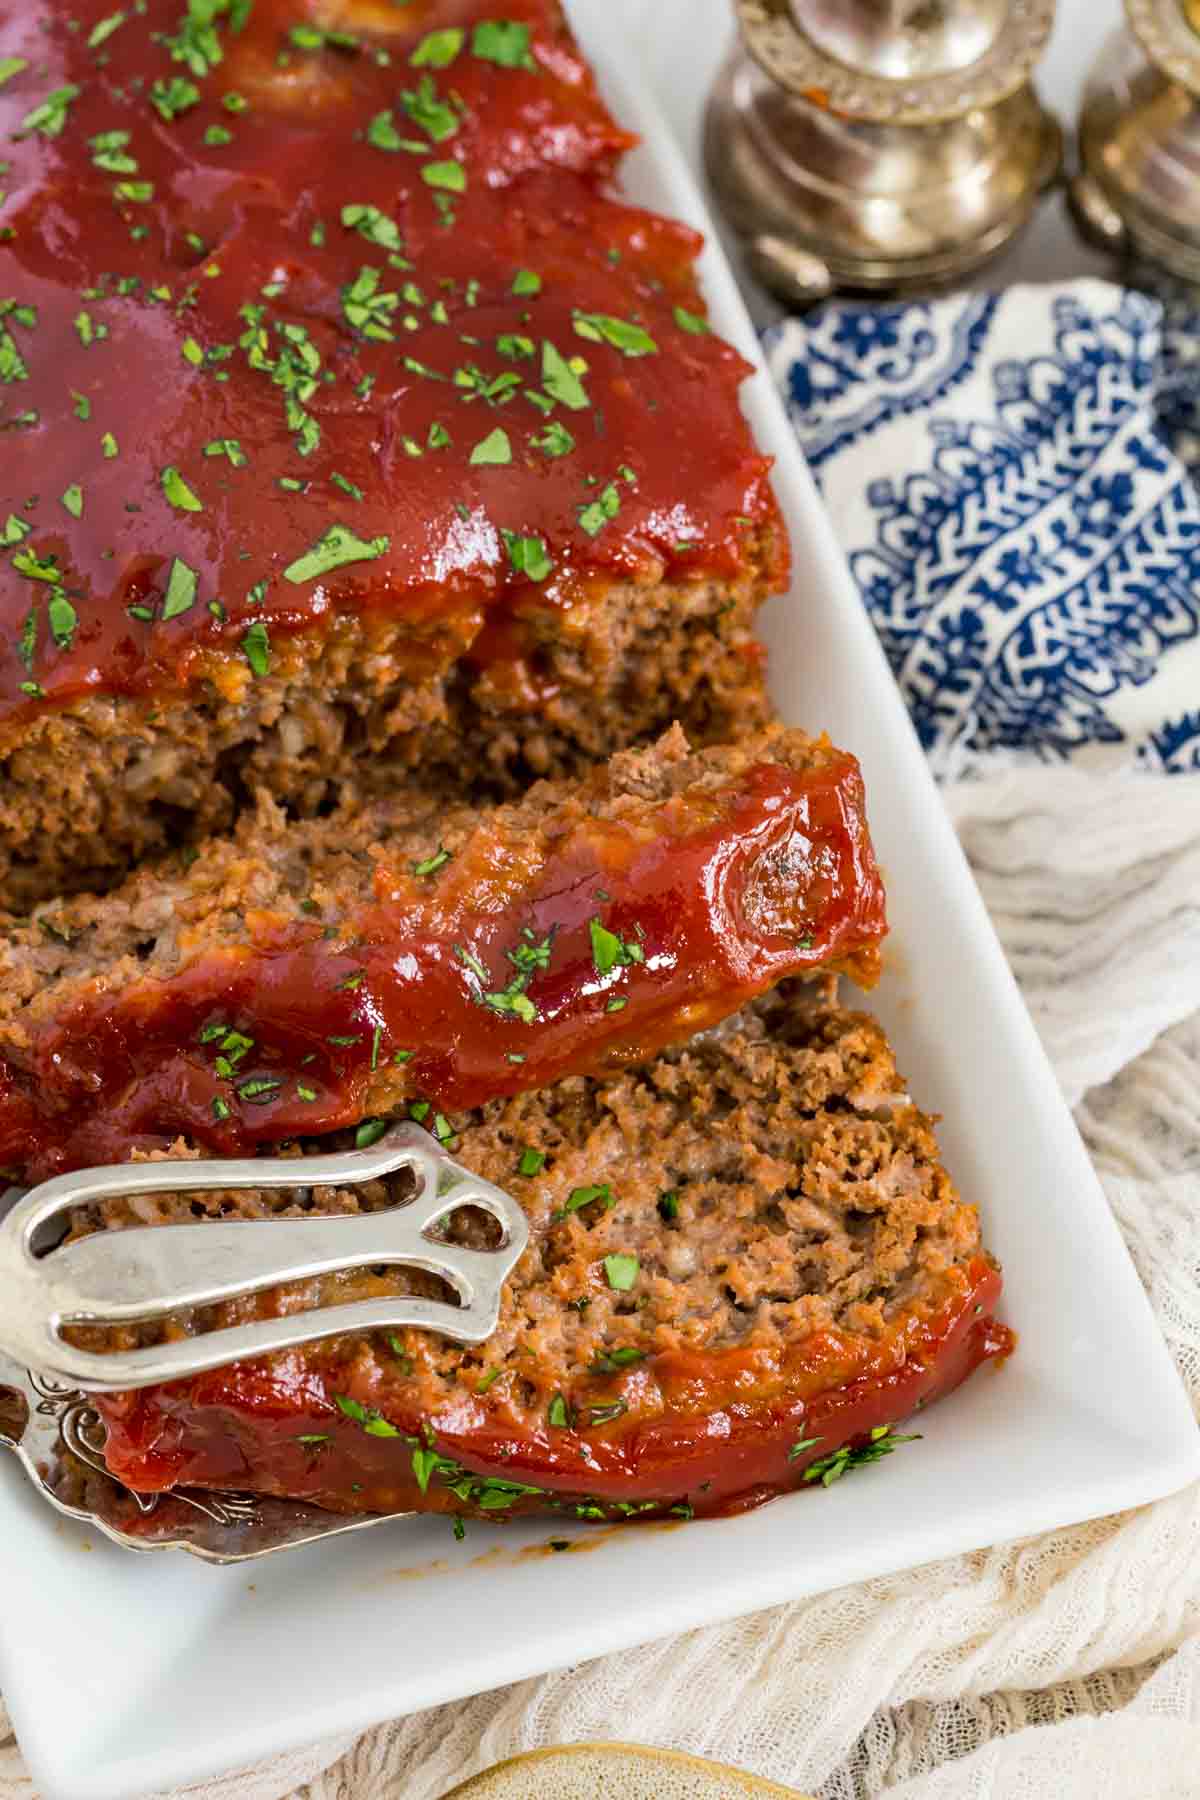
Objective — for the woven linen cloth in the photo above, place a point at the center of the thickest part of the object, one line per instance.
(1026, 536)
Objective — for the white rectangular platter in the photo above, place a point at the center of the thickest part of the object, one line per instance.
(127, 1675)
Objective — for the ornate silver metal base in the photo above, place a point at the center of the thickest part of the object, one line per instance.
(824, 201)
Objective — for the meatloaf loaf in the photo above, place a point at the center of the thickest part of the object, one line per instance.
(347, 422)
(746, 1262)
(298, 977)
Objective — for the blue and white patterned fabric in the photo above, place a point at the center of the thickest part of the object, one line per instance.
(1007, 476)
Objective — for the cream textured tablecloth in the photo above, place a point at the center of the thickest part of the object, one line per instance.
(1064, 700)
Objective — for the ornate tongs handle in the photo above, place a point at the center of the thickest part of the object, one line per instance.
(114, 1277)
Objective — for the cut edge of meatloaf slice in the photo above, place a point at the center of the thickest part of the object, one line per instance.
(745, 1255)
(299, 977)
(95, 787)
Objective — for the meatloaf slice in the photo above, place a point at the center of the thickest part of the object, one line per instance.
(298, 978)
(347, 420)
(745, 1257)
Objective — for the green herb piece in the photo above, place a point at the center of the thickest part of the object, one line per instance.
(609, 1362)
(234, 102)
(304, 1092)
(622, 334)
(170, 98)
(368, 307)
(50, 115)
(527, 281)
(493, 1375)
(10, 66)
(460, 1529)
(26, 563)
(178, 492)
(532, 1162)
(451, 177)
(610, 951)
(402, 1056)
(668, 1204)
(192, 352)
(382, 133)
(419, 1110)
(109, 152)
(561, 381)
(494, 449)
(528, 556)
(72, 499)
(618, 1003)
(559, 1414)
(513, 344)
(621, 1271)
(828, 1469)
(181, 590)
(109, 445)
(426, 109)
(344, 1041)
(699, 327)
(443, 1131)
(801, 1446)
(369, 1132)
(438, 49)
(221, 1108)
(372, 1422)
(554, 440)
(594, 517)
(376, 1040)
(217, 135)
(259, 1089)
(63, 618)
(584, 1196)
(256, 647)
(429, 865)
(334, 550)
(372, 224)
(227, 447)
(407, 1364)
(314, 1437)
(136, 192)
(604, 1415)
(14, 530)
(503, 41)
(439, 438)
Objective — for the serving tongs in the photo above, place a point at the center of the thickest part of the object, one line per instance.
(146, 1272)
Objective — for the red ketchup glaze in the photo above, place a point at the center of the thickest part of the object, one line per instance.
(721, 896)
(729, 1451)
(316, 334)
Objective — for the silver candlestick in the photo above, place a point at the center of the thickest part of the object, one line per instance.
(879, 144)
(1138, 189)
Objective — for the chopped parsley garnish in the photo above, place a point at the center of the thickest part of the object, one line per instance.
(334, 550)
(10, 66)
(170, 98)
(610, 1361)
(259, 1089)
(228, 447)
(603, 1415)
(217, 134)
(622, 334)
(503, 41)
(532, 1162)
(63, 618)
(692, 322)
(13, 530)
(668, 1204)
(828, 1469)
(527, 281)
(72, 499)
(482, 1386)
(494, 449)
(528, 556)
(372, 224)
(555, 440)
(426, 109)
(256, 647)
(221, 1108)
(51, 115)
(109, 152)
(372, 1422)
(561, 381)
(450, 177)
(558, 1413)
(438, 49)
(429, 865)
(596, 515)
(369, 1132)
(584, 1196)
(181, 590)
(611, 952)
(621, 1272)
(178, 492)
(109, 445)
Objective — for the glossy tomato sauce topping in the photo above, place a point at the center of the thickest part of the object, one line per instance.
(302, 319)
(628, 934)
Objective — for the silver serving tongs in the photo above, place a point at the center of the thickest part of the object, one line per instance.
(143, 1272)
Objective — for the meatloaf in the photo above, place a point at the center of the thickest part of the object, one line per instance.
(349, 423)
(746, 1263)
(302, 976)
